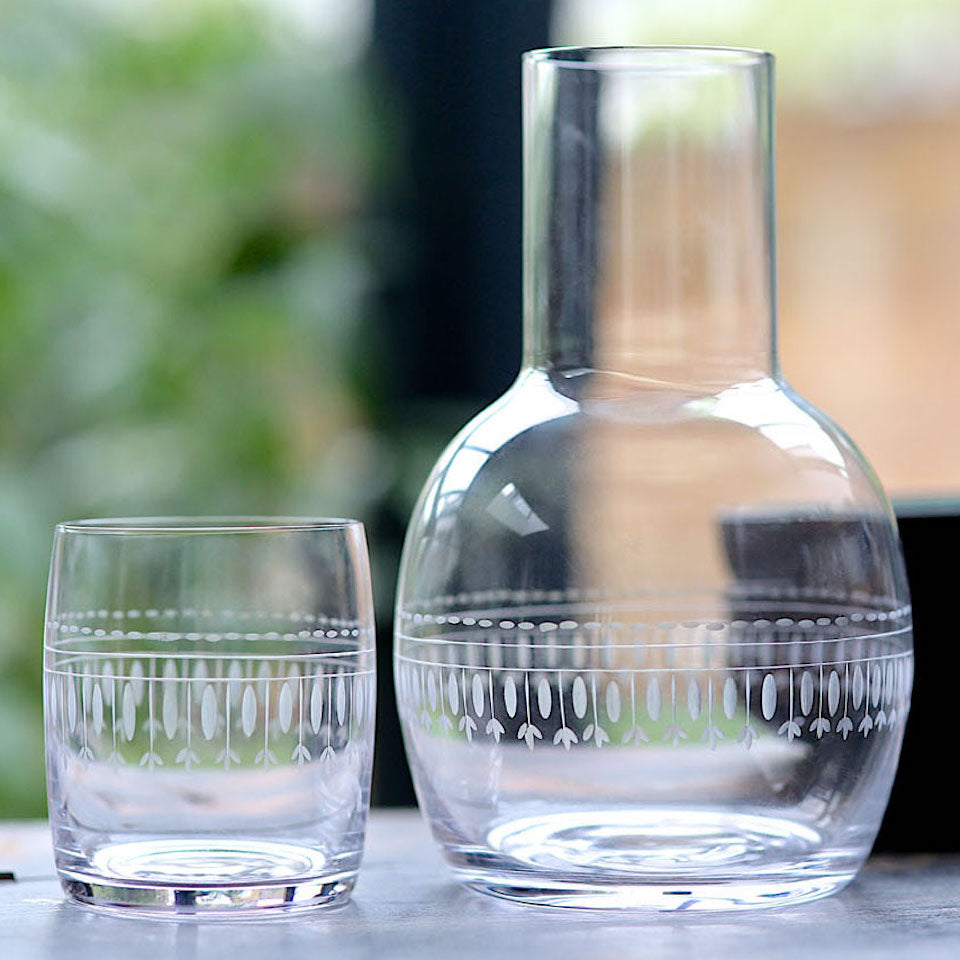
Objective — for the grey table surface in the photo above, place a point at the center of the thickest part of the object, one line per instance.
(406, 905)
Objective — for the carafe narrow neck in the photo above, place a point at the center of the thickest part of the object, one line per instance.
(648, 213)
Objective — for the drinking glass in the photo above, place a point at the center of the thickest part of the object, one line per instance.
(209, 692)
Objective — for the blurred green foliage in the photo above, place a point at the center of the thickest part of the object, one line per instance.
(185, 280)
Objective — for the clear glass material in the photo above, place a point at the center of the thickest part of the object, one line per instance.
(653, 643)
(209, 692)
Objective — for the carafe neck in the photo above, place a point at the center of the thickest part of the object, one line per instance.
(648, 213)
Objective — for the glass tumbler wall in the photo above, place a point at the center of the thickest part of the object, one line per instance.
(209, 695)
(653, 629)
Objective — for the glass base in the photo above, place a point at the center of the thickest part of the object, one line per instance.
(206, 878)
(662, 897)
(666, 860)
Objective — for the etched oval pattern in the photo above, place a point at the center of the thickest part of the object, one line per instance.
(806, 692)
(833, 692)
(248, 711)
(453, 693)
(654, 699)
(729, 698)
(510, 696)
(208, 712)
(285, 707)
(96, 710)
(169, 711)
(544, 698)
(768, 697)
(579, 698)
(477, 690)
(128, 712)
(613, 701)
(316, 706)
(857, 687)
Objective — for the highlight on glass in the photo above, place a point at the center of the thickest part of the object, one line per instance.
(209, 688)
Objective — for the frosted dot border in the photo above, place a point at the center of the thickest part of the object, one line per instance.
(114, 624)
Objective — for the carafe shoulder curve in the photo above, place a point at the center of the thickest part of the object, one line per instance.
(650, 487)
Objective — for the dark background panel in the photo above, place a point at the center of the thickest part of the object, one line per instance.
(455, 70)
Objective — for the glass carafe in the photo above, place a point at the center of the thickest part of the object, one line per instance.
(653, 635)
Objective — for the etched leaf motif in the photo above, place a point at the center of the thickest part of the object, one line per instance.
(544, 698)
(71, 705)
(467, 725)
(565, 736)
(529, 733)
(833, 692)
(169, 709)
(128, 712)
(820, 726)
(208, 712)
(768, 696)
(888, 683)
(316, 706)
(845, 727)
(341, 700)
(712, 735)
(747, 736)
(635, 735)
(453, 692)
(729, 698)
(876, 687)
(579, 698)
(857, 687)
(285, 707)
(495, 729)
(791, 728)
(477, 686)
(597, 734)
(301, 754)
(248, 711)
(96, 710)
(510, 696)
(432, 691)
(674, 734)
(806, 693)
(653, 698)
(613, 701)
(693, 699)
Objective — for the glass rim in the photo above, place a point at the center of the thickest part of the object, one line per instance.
(206, 525)
(648, 57)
